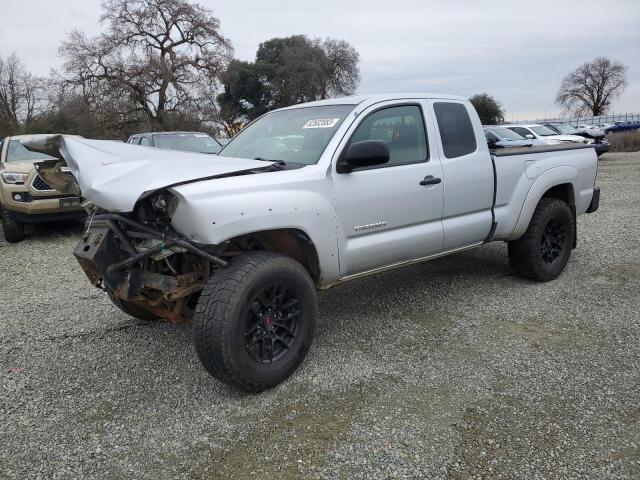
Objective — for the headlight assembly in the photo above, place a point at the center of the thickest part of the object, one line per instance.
(15, 178)
(165, 203)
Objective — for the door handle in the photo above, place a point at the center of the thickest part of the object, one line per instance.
(430, 180)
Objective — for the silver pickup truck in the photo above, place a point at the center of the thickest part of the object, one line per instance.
(305, 198)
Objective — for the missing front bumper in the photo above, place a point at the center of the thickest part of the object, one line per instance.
(111, 257)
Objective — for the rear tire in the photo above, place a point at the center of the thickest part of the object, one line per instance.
(132, 309)
(13, 230)
(544, 250)
(254, 320)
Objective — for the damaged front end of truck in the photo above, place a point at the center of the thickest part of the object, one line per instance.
(145, 264)
(129, 247)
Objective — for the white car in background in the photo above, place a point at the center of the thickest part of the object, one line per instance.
(545, 134)
(590, 129)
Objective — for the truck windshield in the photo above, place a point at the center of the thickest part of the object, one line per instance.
(16, 152)
(188, 142)
(299, 135)
(543, 131)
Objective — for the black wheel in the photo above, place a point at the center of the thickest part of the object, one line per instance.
(132, 309)
(13, 231)
(543, 251)
(254, 320)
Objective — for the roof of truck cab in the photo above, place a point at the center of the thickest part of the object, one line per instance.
(375, 98)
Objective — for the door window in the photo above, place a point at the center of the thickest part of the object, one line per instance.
(401, 128)
(456, 131)
(145, 141)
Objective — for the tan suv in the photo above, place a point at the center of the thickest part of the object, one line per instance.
(24, 196)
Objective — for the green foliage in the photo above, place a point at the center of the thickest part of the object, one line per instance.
(287, 71)
(244, 90)
(488, 108)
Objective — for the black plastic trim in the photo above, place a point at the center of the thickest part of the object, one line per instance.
(494, 225)
(595, 200)
(507, 152)
(48, 217)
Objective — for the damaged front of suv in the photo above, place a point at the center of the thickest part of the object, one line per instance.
(129, 247)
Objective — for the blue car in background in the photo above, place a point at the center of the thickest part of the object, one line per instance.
(624, 126)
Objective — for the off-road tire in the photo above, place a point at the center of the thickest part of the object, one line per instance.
(132, 309)
(526, 254)
(226, 308)
(13, 231)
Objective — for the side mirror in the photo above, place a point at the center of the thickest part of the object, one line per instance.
(366, 153)
(529, 136)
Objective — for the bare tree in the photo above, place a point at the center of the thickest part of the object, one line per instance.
(154, 54)
(592, 87)
(22, 95)
(342, 73)
(214, 115)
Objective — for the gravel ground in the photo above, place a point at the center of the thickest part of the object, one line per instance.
(449, 369)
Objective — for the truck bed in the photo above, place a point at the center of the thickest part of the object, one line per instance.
(528, 172)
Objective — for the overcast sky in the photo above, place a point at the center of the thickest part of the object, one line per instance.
(515, 51)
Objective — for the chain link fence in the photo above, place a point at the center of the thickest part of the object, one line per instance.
(590, 120)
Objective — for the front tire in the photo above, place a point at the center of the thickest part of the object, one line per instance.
(13, 230)
(254, 320)
(543, 251)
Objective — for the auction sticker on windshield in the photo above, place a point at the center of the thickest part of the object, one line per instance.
(321, 123)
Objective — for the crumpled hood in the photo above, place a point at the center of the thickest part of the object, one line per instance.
(115, 175)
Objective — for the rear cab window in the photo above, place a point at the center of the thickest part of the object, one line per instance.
(456, 131)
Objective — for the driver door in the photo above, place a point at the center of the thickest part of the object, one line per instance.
(385, 215)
